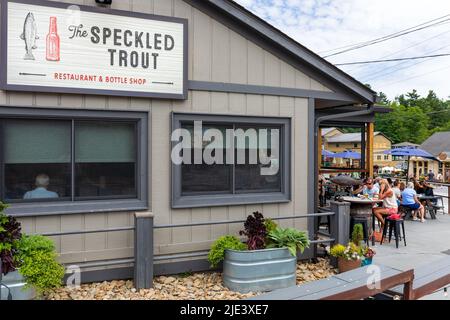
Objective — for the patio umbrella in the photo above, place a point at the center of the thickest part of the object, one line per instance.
(348, 155)
(327, 153)
(410, 152)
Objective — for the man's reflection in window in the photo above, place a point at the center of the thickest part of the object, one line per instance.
(41, 192)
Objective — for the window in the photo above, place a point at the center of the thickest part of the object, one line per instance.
(379, 158)
(74, 160)
(105, 159)
(386, 157)
(337, 145)
(237, 179)
(355, 145)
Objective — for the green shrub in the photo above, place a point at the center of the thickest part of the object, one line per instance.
(288, 238)
(270, 225)
(337, 251)
(38, 265)
(357, 234)
(217, 252)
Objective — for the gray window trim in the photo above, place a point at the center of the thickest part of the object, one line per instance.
(179, 201)
(107, 205)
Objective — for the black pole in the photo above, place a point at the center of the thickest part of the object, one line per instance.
(407, 171)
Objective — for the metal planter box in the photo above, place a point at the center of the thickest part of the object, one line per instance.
(259, 270)
(16, 284)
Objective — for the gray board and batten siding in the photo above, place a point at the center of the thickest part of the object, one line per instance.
(230, 71)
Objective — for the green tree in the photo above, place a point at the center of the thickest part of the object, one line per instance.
(404, 123)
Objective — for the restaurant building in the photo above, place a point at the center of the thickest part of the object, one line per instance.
(90, 97)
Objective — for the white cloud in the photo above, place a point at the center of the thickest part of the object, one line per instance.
(321, 25)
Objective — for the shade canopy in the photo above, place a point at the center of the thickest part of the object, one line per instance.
(327, 153)
(348, 155)
(410, 152)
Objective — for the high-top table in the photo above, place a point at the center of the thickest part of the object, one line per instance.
(362, 208)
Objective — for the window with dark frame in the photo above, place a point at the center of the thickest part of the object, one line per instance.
(196, 185)
(39, 164)
(73, 160)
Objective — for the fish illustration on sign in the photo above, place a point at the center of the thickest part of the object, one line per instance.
(29, 35)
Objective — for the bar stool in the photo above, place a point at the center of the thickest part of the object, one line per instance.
(394, 225)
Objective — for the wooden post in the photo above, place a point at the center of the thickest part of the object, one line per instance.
(143, 250)
(369, 148)
(408, 292)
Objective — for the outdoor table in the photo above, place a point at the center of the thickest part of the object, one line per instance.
(362, 208)
(350, 285)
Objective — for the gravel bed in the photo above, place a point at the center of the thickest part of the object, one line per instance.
(196, 286)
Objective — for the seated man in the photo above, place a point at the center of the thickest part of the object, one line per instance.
(410, 200)
(41, 192)
(368, 188)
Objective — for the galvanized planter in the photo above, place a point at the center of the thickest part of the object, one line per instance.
(16, 284)
(259, 270)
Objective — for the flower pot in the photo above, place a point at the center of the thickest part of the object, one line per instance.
(259, 270)
(366, 262)
(347, 265)
(16, 284)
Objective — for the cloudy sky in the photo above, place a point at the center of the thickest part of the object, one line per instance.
(323, 25)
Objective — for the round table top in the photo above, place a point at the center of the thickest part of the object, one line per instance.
(361, 201)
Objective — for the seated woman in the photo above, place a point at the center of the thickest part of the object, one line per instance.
(390, 206)
(410, 200)
(397, 191)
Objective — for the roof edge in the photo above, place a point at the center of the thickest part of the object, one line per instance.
(292, 46)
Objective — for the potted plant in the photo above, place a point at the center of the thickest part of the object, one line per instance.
(368, 254)
(28, 262)
(268, 259)
(349, 257)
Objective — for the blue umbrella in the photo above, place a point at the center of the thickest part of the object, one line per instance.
(327, 153)
(348, 155)
(410, 152)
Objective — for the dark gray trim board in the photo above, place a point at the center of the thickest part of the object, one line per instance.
(101, 10)
(89, 206)
(312, 174)
(266, 90)
(259, 31)
(178, 200)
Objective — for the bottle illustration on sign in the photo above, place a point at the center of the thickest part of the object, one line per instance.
(52, 53)
(29, 35)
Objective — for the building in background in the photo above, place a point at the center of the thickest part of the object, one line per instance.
(439, 146)
(352, 142)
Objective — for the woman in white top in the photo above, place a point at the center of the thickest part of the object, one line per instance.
(390, 205)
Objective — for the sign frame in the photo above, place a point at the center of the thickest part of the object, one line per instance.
(100, 10)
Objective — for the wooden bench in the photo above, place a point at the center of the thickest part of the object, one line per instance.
(351, 285)
(428, 279)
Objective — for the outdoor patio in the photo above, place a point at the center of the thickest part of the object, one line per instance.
(426, 242)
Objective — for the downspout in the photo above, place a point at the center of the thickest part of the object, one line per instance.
(369, 110)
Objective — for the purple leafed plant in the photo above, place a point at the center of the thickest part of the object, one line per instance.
(256, 231)
(10, 232)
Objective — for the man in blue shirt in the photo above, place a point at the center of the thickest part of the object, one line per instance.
(368, 188)
(41, 192)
